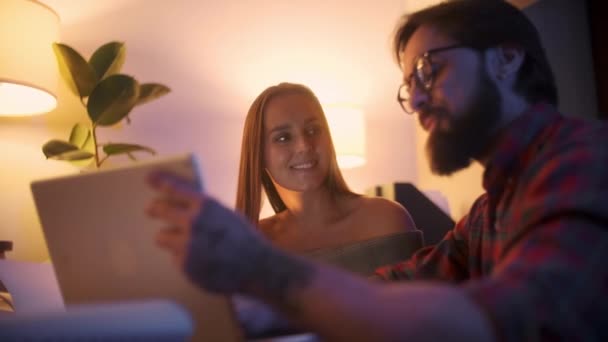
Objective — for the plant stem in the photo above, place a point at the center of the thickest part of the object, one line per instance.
(103, 160)
(94, 134)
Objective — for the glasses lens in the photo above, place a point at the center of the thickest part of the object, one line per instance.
(403, 96)
(424, 72)
(421, 77)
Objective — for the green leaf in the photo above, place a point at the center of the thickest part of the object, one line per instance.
(56, 147)
(74, 155)
(79, 135)
(89, 144)
(112, 99)
(81, 163)
(63, 150)
(108, 59)
(120, 148)
(75, 70)
(151, 91)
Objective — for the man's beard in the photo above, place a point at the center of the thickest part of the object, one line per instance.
(467, 137)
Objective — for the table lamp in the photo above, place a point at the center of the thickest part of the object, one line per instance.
(28, 71)
(347, 127)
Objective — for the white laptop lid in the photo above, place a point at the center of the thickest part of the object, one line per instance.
(102, 246)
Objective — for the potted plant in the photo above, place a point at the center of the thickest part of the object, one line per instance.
(108, 96)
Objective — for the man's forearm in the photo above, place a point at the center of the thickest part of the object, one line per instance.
(340, 306)
(277, 275)
(335, 304)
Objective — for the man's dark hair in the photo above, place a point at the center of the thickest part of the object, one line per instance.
(483, 24)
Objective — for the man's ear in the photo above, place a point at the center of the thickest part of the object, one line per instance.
(506, 61)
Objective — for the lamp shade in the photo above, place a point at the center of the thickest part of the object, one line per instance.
(28, 71)
(347, 127)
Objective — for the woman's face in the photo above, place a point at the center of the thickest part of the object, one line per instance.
(297, 143)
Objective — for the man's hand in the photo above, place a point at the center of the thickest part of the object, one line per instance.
(219, 250)
(178, 205)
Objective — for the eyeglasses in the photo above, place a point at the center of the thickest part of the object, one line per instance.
(423, 75)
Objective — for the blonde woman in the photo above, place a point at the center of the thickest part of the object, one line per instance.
(288, 153)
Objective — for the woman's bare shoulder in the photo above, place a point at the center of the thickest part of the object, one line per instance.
(387, 213)
(268, 223)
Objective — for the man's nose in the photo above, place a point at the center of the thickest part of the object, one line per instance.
(419, 98)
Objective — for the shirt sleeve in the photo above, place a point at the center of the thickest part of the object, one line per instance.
(552, 281)
(445, 261)
(553, 285)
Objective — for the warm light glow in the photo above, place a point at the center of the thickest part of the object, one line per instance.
(17, 100)
(347, 127)
(28, 71)
(23, 162)
(413, 6)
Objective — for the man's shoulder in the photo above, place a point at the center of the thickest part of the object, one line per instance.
(476, 215)
(570, 167)
(577, 133)
(575, 145)
(568, 142)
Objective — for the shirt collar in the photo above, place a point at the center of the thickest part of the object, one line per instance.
(515, 143)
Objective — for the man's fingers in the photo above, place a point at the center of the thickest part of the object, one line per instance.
(174, 187)
(174, 239)
(177, 213)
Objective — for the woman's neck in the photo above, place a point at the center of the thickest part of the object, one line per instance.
(311, 208)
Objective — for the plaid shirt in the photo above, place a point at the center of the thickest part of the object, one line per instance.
(531, 251)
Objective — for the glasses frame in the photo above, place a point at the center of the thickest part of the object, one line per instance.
(426, 85)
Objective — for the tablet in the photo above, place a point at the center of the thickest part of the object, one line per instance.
(101, 243)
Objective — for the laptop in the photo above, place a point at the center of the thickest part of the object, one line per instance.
(101, 244)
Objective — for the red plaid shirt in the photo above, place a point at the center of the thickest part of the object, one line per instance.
(531, 251)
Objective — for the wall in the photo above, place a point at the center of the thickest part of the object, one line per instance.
(564, 29)
(596, 12)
